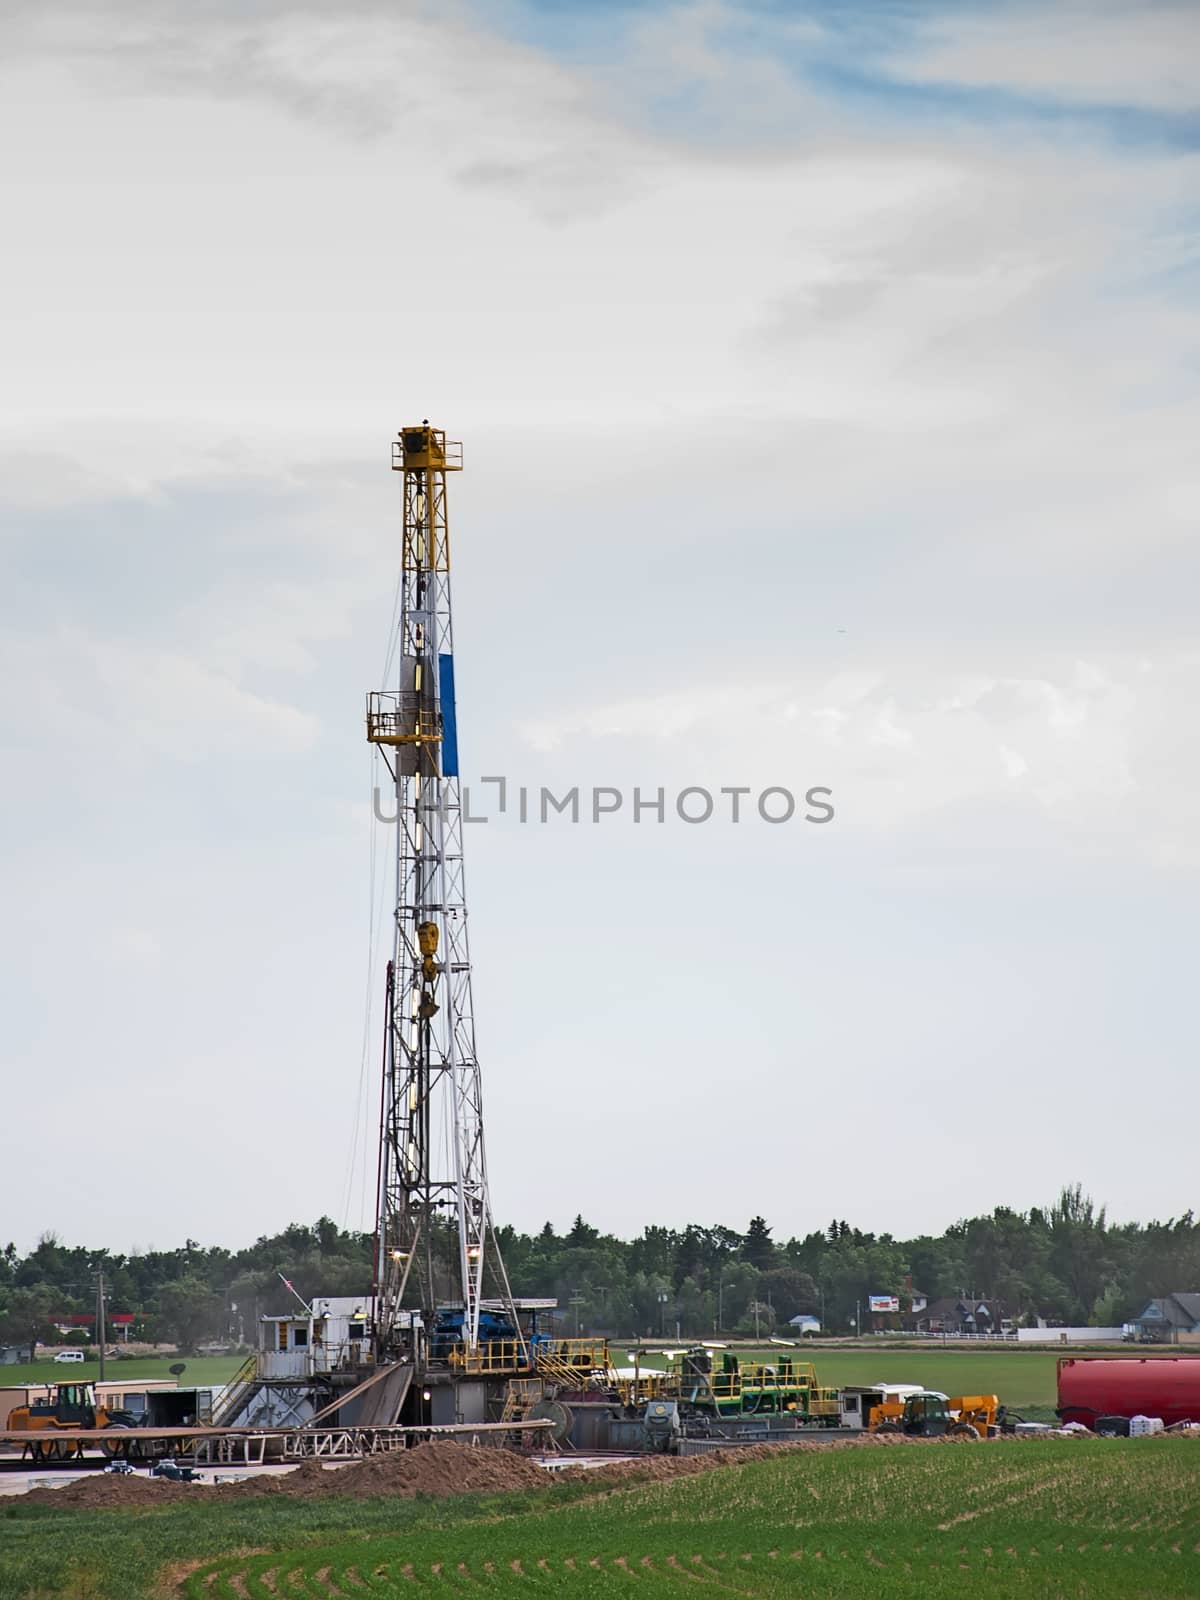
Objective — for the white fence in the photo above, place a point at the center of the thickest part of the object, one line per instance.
(1070, 1335)
(1001, 1336)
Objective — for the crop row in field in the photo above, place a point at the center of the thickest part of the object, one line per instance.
(834, 1571)
(1094, 1518)
(1022, 1518)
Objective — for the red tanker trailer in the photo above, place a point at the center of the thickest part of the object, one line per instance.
(1116, 1386)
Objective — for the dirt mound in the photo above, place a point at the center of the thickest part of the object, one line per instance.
(439, 1468)
(109, 1489)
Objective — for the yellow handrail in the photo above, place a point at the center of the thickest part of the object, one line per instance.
(235, 1389)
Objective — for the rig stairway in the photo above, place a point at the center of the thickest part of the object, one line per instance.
(238, 1393)
(522, 1393)
(553, 1369)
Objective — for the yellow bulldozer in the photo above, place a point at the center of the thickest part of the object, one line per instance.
(69, 1408)
(924, 1416)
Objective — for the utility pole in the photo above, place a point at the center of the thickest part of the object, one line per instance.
(100, 1330)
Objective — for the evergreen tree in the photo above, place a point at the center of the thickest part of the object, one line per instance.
(757, 1247)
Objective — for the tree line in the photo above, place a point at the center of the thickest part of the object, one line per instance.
(1066, 1263)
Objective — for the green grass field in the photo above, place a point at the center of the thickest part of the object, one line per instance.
(1063, 1518)
(200, 1370)
(1019, 1377)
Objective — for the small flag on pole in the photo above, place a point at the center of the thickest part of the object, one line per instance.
(292, 1290)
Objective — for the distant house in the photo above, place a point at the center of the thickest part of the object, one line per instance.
(892, 1313)
(805, 1323)
(1169, 1319)
(959, 1314)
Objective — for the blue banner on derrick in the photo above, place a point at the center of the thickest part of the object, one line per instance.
(449, 721)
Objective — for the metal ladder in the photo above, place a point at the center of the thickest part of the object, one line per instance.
(519, 1396)
(237, 1392)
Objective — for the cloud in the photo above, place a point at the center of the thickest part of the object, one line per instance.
(1082, 52)
(104, 697)
(128, 946)
(362, 73)
(897, 281)
(1087, 748)
(88, 462)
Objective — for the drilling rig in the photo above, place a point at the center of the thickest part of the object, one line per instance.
(432, 1199)
(442, 1304)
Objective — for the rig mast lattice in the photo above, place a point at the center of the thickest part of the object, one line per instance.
(432, 1173)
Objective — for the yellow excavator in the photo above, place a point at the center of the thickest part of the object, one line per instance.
(69, 1408)
(924, 1416)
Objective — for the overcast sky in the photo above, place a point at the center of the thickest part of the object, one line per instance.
(828, 382)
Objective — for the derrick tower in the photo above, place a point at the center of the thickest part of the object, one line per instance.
(434, 1227)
